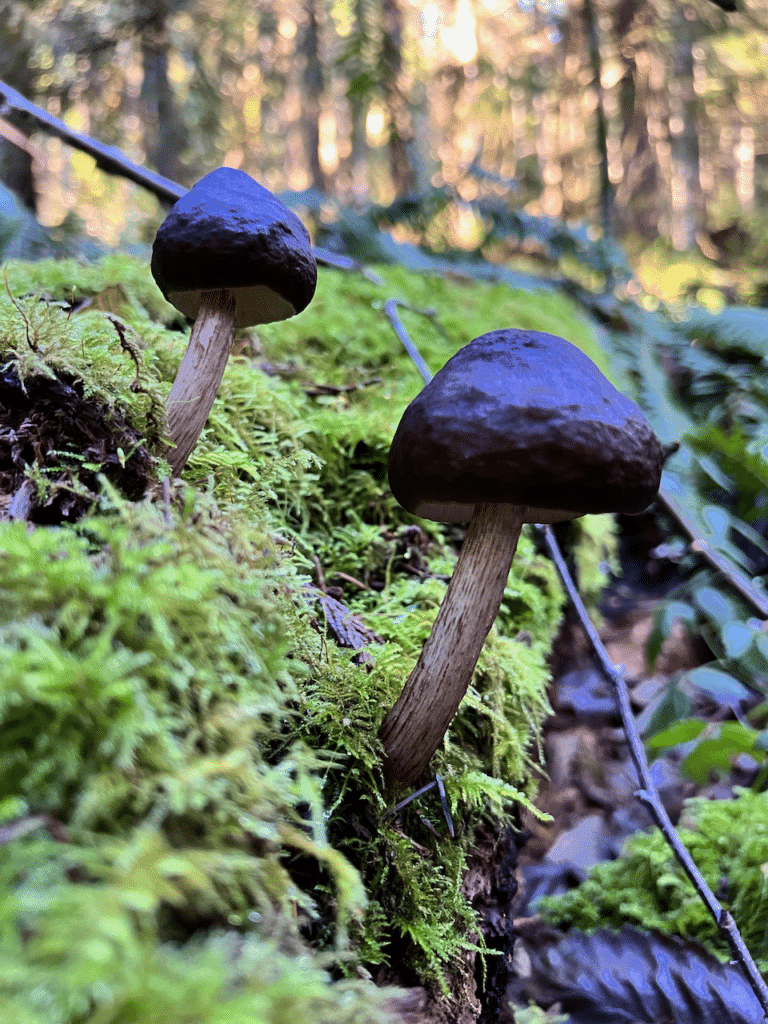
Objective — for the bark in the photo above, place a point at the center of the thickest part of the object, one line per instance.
(601, 121)
(16, 167)
(164, 132)
(637, 194)
(16, 163)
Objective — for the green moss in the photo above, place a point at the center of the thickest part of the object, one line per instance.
(728, 840)
(147, 674)
(172, 694)
(92, 953)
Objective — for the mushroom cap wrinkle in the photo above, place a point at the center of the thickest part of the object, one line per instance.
(524, 418)
(230, 232)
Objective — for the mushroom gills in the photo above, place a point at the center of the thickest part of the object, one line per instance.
(256, 304)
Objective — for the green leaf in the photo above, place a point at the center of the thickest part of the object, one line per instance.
(738, 457)
(737, 639)
(717, 520)
(717, 752)
(740, 329)
(761, 642)
(681, 732)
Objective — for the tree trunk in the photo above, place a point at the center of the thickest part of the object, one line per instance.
(601, 121)
(311, 92)
(16, 170)
(686, 199)
(400, 128)
(637, 195)
(165, 135)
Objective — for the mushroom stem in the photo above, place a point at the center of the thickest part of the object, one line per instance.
(199, 375)
(414, 727)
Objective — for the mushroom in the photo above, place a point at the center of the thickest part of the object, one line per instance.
(229, 254)
(517, 427)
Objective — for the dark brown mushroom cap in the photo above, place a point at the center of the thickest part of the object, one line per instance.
(527, 419)
(230, 232)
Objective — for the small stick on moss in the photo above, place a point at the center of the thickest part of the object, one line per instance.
(351, 579)
(320, 576)
(390, 311)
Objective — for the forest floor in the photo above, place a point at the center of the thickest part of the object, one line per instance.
(590, 782)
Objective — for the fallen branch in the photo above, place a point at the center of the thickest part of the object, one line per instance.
(113, 161)
(390, 311)
(108, 158)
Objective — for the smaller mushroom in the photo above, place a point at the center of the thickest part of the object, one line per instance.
(229, 254)
(517, 427)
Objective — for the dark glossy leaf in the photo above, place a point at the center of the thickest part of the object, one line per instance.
(715, 605)
(717, 520)
(630, 977)
(663, 623)
(736, 638)
(674, 707)
(721, 685)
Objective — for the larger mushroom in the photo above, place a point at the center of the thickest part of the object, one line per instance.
(229, 254)
(517, 427)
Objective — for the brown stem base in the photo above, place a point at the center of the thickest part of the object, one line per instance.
(413, 729)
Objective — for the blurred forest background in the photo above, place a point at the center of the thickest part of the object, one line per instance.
(646, 120)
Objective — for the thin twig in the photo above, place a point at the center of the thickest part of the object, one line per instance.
(390, 310)
(313, 390)
(19, 310)
(444, 805)
(649, 794)
(320, 576)
(351, 579)
(436, 782)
